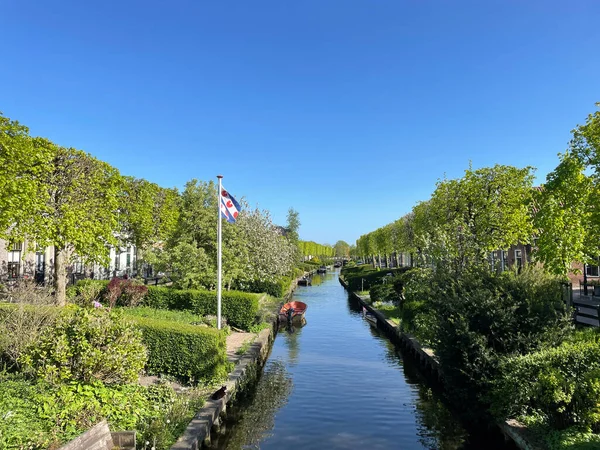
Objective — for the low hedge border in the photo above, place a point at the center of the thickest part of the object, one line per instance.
(240, 308)
(187, 352)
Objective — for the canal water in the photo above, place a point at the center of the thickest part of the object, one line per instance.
(337, 383)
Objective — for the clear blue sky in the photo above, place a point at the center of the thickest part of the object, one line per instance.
(347, 110)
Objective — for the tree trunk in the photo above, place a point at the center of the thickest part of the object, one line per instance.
(60, 276)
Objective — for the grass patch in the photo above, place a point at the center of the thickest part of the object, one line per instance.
(245, 346)
(391, 312)
(165, 314)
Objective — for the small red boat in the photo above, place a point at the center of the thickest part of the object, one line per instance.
(292, 311)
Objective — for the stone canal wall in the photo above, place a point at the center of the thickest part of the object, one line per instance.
(210, 418)
(512, 429)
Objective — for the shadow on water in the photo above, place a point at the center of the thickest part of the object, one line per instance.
(254, 417)
(438, 427)
(339, 383)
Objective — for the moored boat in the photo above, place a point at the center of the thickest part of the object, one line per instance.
(292, 312)
(305, 281)
(322, 269)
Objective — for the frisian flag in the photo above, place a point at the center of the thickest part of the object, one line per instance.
(230, 208)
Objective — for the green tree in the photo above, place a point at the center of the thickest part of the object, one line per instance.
(567, 217)
(79, 214)
(563, 216)
(293, 225)
(342, 249)
(23, 167)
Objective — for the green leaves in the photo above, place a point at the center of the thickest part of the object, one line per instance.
(89, 345)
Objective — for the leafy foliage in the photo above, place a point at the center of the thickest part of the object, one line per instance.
(560, 385)
(239, 308)
(476, 319)
(88, 345)
(189, 352)
(124, 292)
(366, 276)
(21, 326)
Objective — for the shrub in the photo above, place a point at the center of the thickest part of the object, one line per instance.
(365, 276)
(91, 285)
(384, 293)
(188, 352)
(480, 317)
(124, 292)
(27, 291)
(75, 407)
(88, 345)
(240, 308)
(275, 288)
(562, 385)
(20, 327)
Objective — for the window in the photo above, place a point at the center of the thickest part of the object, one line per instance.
(493, 260)
(117, 260)
(504, 260)
(519, 258)
(16, 247)
(128, 260)
(13, 269)
(592, 271)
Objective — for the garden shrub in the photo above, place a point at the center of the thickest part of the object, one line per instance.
(480, 317)
(92, 285)
(21, 426)
(366, 276)
(188, 352)
(88, 345)
(75, 407)
(561, 385)
(240, 308)
(124, 292)
(37, 415)
(384, 293)
(276, 288)
(21, 326)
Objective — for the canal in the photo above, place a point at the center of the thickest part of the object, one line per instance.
(337, 383)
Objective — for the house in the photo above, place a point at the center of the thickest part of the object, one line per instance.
(17, 262)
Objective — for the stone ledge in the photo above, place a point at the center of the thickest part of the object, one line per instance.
(198, 431)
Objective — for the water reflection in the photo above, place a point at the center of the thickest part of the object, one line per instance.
(317, 279)
(351, 389)
(291, 337)
(254, 421)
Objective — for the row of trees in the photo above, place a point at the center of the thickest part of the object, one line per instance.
(63, 197)
(493, 208)
(312, 249)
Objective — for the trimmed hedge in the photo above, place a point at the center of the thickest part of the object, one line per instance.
(188, 352)
(275, 288)
(354, 276)
(240, 308)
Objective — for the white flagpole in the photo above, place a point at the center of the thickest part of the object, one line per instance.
(219, 253)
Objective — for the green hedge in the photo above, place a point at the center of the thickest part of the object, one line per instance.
(560, 385)
(275, 288)
(354, 276)
(240, 308)
(188, 352)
